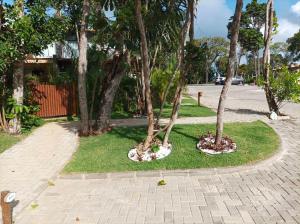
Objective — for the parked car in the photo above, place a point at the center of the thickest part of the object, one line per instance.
(220, 80)
(237, 80)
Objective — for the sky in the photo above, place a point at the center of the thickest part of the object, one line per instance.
(212, 17)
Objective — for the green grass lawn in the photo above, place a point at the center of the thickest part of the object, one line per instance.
(108, 152)
(189, 108)
(6, 140)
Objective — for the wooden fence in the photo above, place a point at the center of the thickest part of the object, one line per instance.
(57, 100)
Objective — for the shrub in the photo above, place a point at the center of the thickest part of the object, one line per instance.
(285, 86)
(160, 79)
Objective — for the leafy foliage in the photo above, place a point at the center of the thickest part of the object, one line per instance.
(160, 78)
(285, 86)
(294, 46)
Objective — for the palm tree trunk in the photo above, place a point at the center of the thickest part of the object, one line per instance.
(230, 69)
(82, 70)
(266, 58)
(146, 71)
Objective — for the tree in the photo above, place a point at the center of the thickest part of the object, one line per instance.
(214, 48)
(146, 73)
(280, 55)
(26, 28)
(230, 69)
(18, 79)
(183, 72)
(82, 69)
(294, 46)
(221, 65)
(250, 36)
(266, 58)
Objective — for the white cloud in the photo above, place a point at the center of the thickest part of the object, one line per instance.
(212, 18)
(296, 8)
(286, 30)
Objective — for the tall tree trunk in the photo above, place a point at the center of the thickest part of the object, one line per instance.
(258, 64)
(146, 70)
(206, 70)
(182, 80)
(82, 69)
(109, 89)
(255, 65)
(18, 94)
(191, 9)
(230, 69)
(18, 81)
(266, 57)
(241, 53)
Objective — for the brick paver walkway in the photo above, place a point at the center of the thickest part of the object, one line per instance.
(27, 167)
(268, 192)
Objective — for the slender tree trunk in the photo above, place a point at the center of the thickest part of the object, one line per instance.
(191, 9)
(95, 84)
(266, 57)
(18, 81)
(206, 70)
(239, 60)
(258, 64)
(230, 69)
(18, 94)
(182, 80)
(255, 65)
(146, 70)
(82, 69)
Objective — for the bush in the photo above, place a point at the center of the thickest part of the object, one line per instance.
(285, 86)
(28, 116)
(159, 81)
(125, 99)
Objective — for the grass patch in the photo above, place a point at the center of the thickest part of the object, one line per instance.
(108, 152)
(189, 108)
(7, 141)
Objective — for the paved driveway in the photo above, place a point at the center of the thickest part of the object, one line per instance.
(245, 100)
(267, 193)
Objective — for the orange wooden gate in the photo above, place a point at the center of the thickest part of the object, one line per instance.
(57, 100)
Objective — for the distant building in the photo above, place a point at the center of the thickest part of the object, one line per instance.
(55, 59)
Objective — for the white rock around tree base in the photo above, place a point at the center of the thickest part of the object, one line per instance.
(149, 155)
(228, 149)
(213, 152)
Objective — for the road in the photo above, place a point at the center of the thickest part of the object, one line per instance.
(241, 100)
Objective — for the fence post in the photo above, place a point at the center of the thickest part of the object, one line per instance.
(199, 96)
(7, 211)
